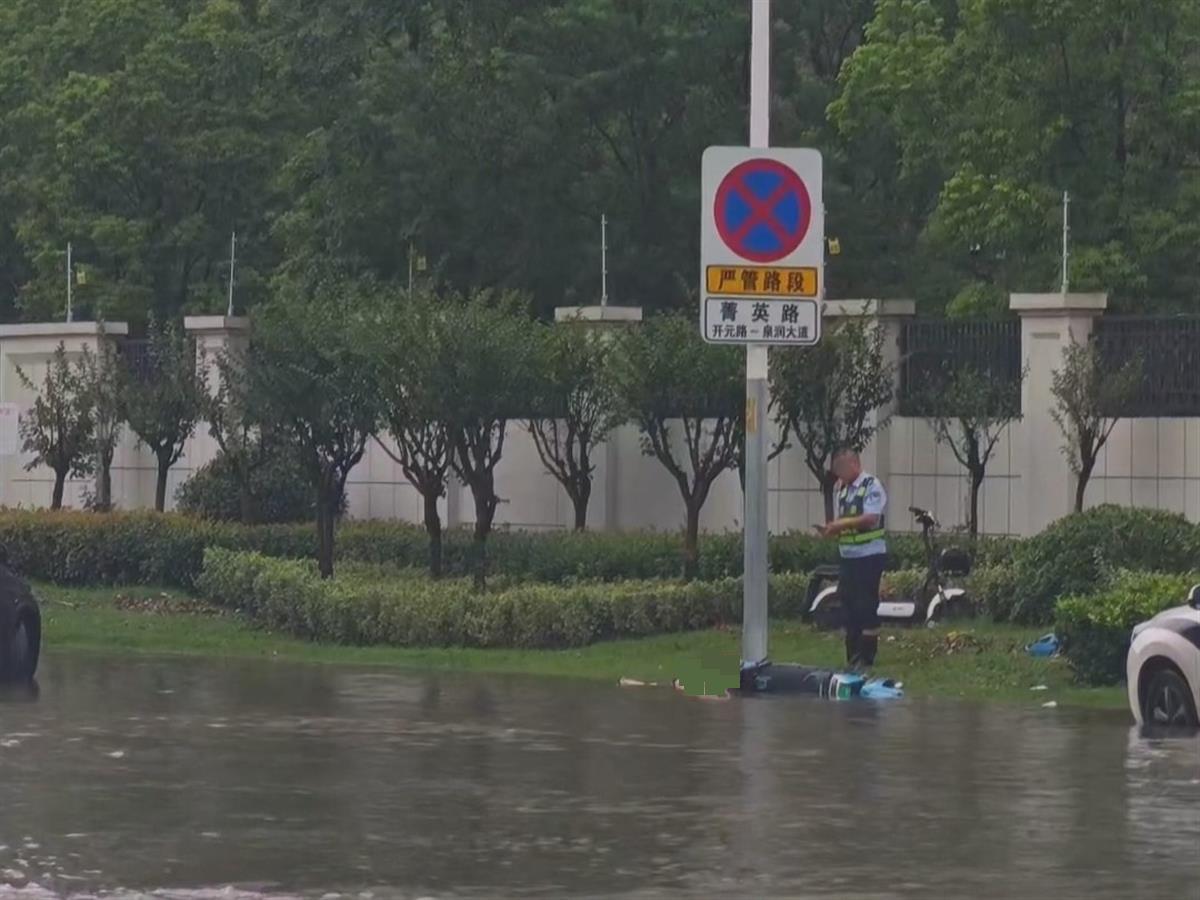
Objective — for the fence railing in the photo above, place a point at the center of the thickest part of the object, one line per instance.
(1168, 350)
(932, 351)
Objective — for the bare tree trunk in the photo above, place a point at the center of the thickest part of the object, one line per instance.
(433, 527)
(326, 506)
(828, 483)
(1081, 482)
(104, 483)
(246, 512)
(691, 542)
(973, 513)
(160, 488)
(580, 498)
(60, 480)
(485, 513)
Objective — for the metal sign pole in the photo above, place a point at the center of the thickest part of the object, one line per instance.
(70, 285)
(755, 562)
(232, 263)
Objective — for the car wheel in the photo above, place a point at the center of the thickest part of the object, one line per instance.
(23, 651)
(1168, 701)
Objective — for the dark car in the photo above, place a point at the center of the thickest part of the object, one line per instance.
(20, 629)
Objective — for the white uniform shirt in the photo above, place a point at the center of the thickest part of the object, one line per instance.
(874, 504)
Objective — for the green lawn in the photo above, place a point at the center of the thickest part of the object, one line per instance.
(981, 662)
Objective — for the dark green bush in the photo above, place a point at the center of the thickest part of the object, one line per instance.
(279, 492)
(994, 589)
(1096, 629)
(1071, 557)
(362, 607)
(148, 548)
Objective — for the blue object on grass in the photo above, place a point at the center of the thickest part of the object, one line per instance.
(1046, 645)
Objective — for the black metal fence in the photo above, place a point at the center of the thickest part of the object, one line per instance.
(135, 354)
(932, 351)
(1168, 350)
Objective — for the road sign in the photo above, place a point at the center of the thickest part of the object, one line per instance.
(762, 246)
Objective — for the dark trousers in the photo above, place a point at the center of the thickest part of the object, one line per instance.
(858, 589)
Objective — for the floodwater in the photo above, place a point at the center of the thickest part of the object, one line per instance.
(194, 780)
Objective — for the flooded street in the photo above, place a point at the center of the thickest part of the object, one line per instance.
(201, 779)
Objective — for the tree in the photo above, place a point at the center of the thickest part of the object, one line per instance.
(977, 116)
(485, 354)
(164, 399)
(144, 132)
(1089, 400)
(576, 407)
(969, 411)
(825, 397)
(409, 337)
(245, 442)
(59, 429)
(670, 382)
(103, 379)
(308, 374)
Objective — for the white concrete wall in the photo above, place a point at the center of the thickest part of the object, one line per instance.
(1148, 462)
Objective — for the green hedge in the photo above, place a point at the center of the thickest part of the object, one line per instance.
(360, 607)
(1074, 555)
(146, 548)
(1095, 629)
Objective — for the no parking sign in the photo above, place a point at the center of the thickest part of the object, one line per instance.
(762, 246)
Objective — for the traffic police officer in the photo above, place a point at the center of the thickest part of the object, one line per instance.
(859, 529)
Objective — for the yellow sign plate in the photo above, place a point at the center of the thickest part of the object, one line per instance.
(760, 281)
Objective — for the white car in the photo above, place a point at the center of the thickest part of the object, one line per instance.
(1163, 667)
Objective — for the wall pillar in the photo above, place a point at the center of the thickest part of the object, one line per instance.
(606, 320)
(214, 337)
(1049, 322)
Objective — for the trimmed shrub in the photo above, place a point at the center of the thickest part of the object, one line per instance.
(1096, 630)
(147, 548)
(279, 490)
(1072, 556)
(994, 588)
(362, 607)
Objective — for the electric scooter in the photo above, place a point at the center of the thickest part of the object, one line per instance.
(935, 600)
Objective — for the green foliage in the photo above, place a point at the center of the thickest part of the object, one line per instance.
(279, 492)
(672, 384)
(144, 132)
(824, 396)
(136, 548)
(576, 406)
(163, 405)
(1073, 556)
(969, 411)
(996, 590)
(361, 607)
(1095, 629)
(103, 378)
(405, 341)
(983, 113)
(1088, 399)
(59, 429)
(309, 376)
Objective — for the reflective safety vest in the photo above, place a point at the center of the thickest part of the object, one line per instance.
(850, 505)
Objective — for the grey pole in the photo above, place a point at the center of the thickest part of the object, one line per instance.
(755, 562)
(232, 262)
(70, 285)
(604, 260)
(1066, 241)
